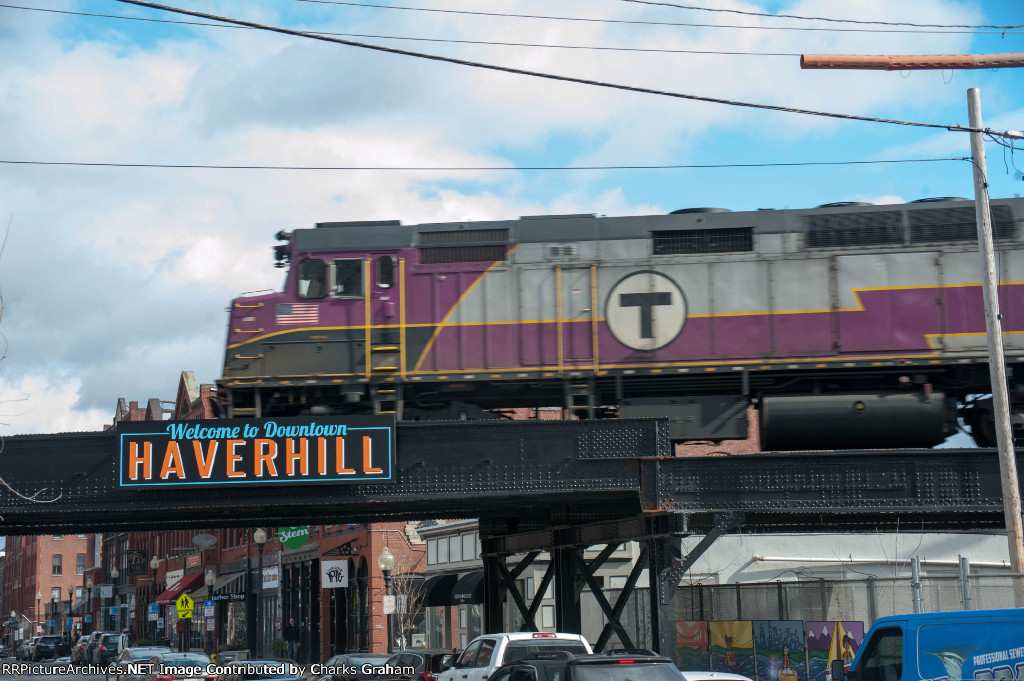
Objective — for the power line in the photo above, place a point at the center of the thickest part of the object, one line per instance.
(484, 168)
(804, 18)
(551, 76)
(432, 40)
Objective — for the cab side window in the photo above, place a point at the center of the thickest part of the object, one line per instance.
(348, 277)
(385, 271)
(312, 278)
(883, 657)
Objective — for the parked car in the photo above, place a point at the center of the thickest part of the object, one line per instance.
(355, 660)
(271, 668)
(78, 650)
(90, 647)
(46, 647)
(486, 653)
(559, 665)
(106, 650)
(3, 650)
(138, 655)
(426, 664)
(25, 649)
(173, 666)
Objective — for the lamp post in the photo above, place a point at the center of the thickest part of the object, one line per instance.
(211, 579)
(69, 619)
(386, 563)
(154, 563)
(260, 538)
(53, 609)
(39, 598)
(88, 585)
(113, 578)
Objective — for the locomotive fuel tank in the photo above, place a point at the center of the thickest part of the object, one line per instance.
(856, 420)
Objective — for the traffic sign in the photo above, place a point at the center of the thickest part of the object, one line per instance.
(154, 609)
(113, 610)
(184, 605)
(389, 605)
(88, 619)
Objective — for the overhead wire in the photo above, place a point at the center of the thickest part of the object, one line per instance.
(432, 40)
(557, 77)
(480, 168)
(636, 21)
(806, 18)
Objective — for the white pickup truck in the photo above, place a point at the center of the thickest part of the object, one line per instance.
(486, 653)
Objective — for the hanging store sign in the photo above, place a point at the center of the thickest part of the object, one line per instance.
(256, 451)
(294, 537)
(333, 574)
(138, 562)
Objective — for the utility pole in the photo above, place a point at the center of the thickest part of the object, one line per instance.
(996, 363)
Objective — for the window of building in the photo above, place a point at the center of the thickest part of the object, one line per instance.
(55, 593)
(431, 551)
(58, 536)
(547, 616)
(58, 562)
(348, 277)
(455, 549)
(80, 564)
(469, 546)
(81, 536)
(442, 550)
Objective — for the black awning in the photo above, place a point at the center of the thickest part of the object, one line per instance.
(438, 590)
(469, 588)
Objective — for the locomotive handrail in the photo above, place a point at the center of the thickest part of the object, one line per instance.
(256, 305)
(259, 356)
(593, 318)
(368, 301)
(558, 319)
(262, 290)
(259, 330)
(401, 318)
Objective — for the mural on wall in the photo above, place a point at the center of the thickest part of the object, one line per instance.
(780, 646)
(828, 641)
(692, 645)
(732, 647)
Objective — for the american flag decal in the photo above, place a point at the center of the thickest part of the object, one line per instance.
(298, 313)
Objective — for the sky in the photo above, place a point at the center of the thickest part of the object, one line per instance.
(114, 279)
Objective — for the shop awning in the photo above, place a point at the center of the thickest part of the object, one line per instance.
(186, 584)
(438, 590)
(469, 588)
(229, 587)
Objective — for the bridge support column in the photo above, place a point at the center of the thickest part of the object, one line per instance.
(494, 594)
(568, 585)
(662, 592)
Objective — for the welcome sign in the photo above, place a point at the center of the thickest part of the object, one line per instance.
(256, 451)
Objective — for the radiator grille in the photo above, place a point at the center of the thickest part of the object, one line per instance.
(446, 254)
(464, 236)
(835, 230)
(956, 224)
(704, 241)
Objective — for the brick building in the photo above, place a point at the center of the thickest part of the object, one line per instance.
(37, 575)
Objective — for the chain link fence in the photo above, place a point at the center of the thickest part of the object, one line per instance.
(863, 600)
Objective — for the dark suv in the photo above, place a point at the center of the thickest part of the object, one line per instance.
(46, 647)
(106, 650)
(562, 666)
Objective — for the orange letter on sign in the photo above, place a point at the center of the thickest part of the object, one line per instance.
(291, 456)
(265, 458)
(234, 458)
(367, 455)
(172, 462)
(134, 460)
(339, 457)
(205, 463)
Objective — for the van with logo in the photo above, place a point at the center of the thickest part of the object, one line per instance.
(969, 645)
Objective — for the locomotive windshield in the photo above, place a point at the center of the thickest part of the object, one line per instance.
(312, 278)
(348, 277)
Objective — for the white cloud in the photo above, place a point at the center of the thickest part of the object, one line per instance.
(47, 404)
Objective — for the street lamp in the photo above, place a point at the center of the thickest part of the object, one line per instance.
(260, 537)
(386, 563)
(39, 597)
(113, 578)
(211, 578)
(14, 621)
(154, 563)
(69, 619)
(53, 609)
(88, 585)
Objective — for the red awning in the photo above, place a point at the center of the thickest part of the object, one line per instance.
(187, 583)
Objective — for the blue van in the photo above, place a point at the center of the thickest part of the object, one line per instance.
(979, 645)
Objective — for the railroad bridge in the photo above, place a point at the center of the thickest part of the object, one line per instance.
(557, 486)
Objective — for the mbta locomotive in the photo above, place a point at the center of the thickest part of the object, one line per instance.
(846, 325)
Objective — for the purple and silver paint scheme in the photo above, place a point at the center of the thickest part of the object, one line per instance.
(871, 314)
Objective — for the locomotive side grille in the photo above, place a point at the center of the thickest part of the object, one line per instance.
(463, 236)
(834, 230)
(447, 254)
(956, 224)
(693, 241)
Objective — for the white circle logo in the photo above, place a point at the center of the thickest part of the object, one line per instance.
(645, 311)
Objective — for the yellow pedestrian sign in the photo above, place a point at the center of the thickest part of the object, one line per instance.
(184, 604)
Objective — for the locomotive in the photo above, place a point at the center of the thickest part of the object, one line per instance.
(848, 325)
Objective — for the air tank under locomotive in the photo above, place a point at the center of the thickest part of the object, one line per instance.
(844, 326)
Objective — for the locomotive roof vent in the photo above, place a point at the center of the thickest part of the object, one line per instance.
(558, 217)
(688, 211)
(844, 204)
(362, 223)
(933, 199)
